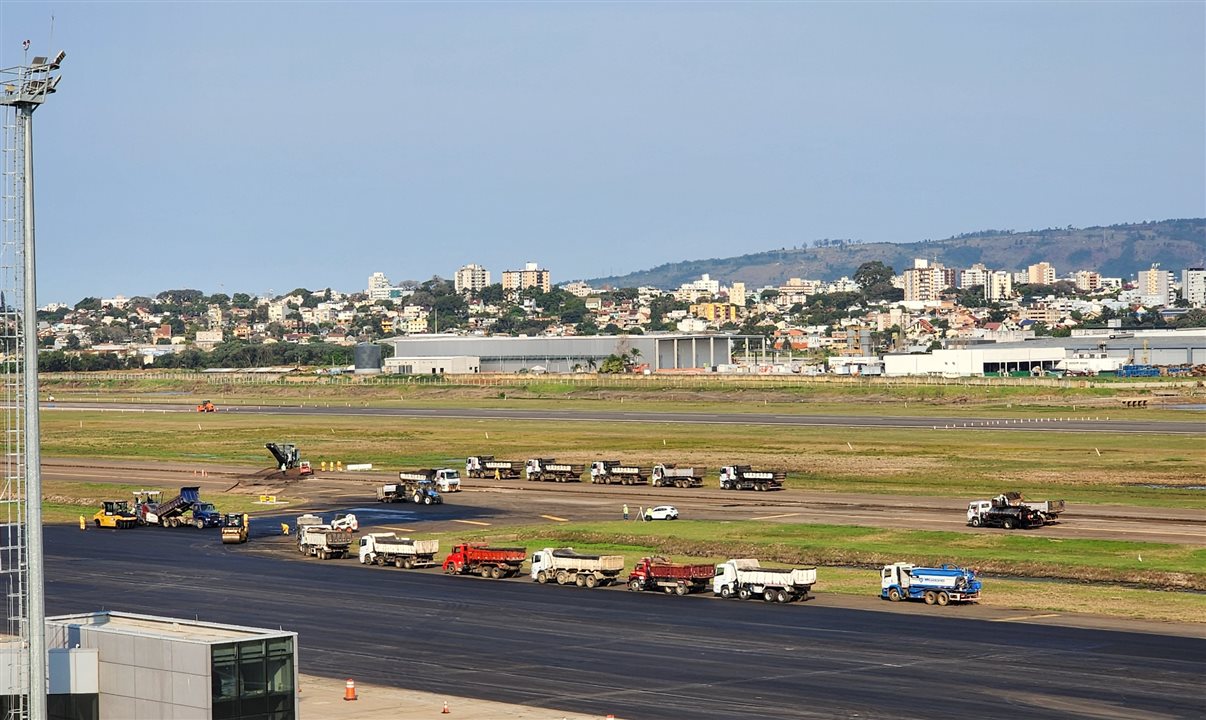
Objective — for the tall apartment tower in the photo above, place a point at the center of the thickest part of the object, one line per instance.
(998, 285)
(471, 278)
(530, 276)
(737, 294)
(1088, 280)
(924, 282)
(378, 286)
(1040, 274)
(1193, 286)
(1155, 287)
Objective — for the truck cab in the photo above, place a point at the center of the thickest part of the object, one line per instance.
(448, 480)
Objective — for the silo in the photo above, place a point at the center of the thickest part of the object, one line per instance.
(367, 358)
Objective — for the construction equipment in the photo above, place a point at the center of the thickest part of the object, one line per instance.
(448, 480)
(416, 491)
(172, 513)
(489, 562)
(653, 573)
(745, 578)
(743, 477)
(937, 586)
(288, 460)
(485, 466)
(234, 528)
(323, 541)
(206, 406)
(606, 472)
(566, 567)
(990, 513)
(401, 552)
(115, 514)
(670, 475)
(538, 469)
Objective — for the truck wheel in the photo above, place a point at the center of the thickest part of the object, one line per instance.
(744, 593)
(97, 523)
(365, 560)
(1008, 524)
(893, 594)
(769, 595)
(542, 577)
(783, 597)
(944, 599)
(580, 581)
(200, 524)
(634, 585)
(496, 573)
(562, 577)
(680, 590)
(408, 563)
(725, 592)
(930, 597)
(976, 522)
(427, 500)
(591, 581)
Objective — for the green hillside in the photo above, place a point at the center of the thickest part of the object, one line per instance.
(1114, 251)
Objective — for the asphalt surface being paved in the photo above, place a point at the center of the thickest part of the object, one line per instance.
(635, 655)
(1076, 421)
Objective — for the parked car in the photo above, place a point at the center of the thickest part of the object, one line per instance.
(662, 512)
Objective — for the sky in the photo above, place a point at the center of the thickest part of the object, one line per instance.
(255, 147)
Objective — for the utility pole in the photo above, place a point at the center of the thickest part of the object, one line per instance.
(24, 88)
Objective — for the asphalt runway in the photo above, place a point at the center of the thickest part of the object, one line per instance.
(635, 655)
(1086, 421)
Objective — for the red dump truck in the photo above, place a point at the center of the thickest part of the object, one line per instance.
(651, 573)
(491, 562)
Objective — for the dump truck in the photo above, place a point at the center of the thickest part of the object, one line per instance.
(936, 586)
(206, 406)
(607, 472)
(566, 567)
(989, 513)
(416, 491)
(545, 469)
(485, 466)
(446, 479)
(184, 510)
(1049, 510)
(401, 552)
(491, 562)
(234, 528)
(323, 541)
(653, 573)
(668, 475)
(115, 514)
(745, 578)
(743, 477)
(288, 460)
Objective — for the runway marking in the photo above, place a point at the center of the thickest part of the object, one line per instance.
(774, 517)
(473, 522)
(1024, 617)
(554, 517)
(398, 529)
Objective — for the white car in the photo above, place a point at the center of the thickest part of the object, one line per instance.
(662, 512)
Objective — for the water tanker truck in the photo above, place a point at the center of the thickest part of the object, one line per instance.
(745, 578)
(566, 567)
(936, 586)
(653, 573)
(548, 469)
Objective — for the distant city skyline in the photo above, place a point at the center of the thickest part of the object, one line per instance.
(243, 147)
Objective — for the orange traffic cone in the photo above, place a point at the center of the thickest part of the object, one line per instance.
(349, 690)
(445, 711)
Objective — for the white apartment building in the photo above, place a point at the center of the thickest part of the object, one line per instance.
(975, 275)
(578, 289)
(924, 282)
(378, 287)
(471, 278)
(1040, 274)
(1193, 286)
(998, 286)
(531, 276)
(1155, 286)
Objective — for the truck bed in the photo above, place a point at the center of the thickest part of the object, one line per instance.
(565, 558)
(682, 571)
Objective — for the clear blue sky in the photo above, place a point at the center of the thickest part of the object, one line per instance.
(252, 146)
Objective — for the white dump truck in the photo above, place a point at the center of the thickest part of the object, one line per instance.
(538, 469)
(401, 552)
(486, 466)
(669, 475)
(606, 472)
(744, 477)
(566, 567)
(323, 541)
(446, 479)
(745, 578)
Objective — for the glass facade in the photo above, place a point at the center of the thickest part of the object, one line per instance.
(253, 680)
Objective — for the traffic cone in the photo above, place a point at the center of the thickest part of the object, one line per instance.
(445, 711)
(349, 690)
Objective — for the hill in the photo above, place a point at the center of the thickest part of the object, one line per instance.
(1114, 251)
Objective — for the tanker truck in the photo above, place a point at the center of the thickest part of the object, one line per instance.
(936, 586)
(565, 567)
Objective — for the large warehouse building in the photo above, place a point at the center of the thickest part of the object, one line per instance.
(567, 354)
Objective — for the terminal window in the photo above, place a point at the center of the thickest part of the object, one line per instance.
(253, 680)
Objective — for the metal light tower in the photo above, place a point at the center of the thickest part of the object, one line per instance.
(22, 89)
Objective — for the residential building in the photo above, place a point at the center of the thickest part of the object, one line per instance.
(718, 313)
(998, 286)
(378, 287)
(1193, 286)
(1155, 286)
(1040, 274)
(737, 294)
(471, 278)
(924, 282)
(975, 275)
(1087, 280)
(694, 290)
(531, 276)
(578, 289)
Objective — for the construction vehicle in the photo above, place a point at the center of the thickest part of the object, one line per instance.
(346, 521)
(323, 541)
(746, 578)
(416, 491)
(206, 406)
(545, 469)
(743, 477)
(234, 528)
(937, 586)
(288, 460)
(485, 466)
(181, 511)
(652, 573)
(668, 475)
(606, 472)
(115, 514)
(489, 562)
(446, 479)
(566, 567)
(990, 513)
(1048, 510)
(401, 552)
